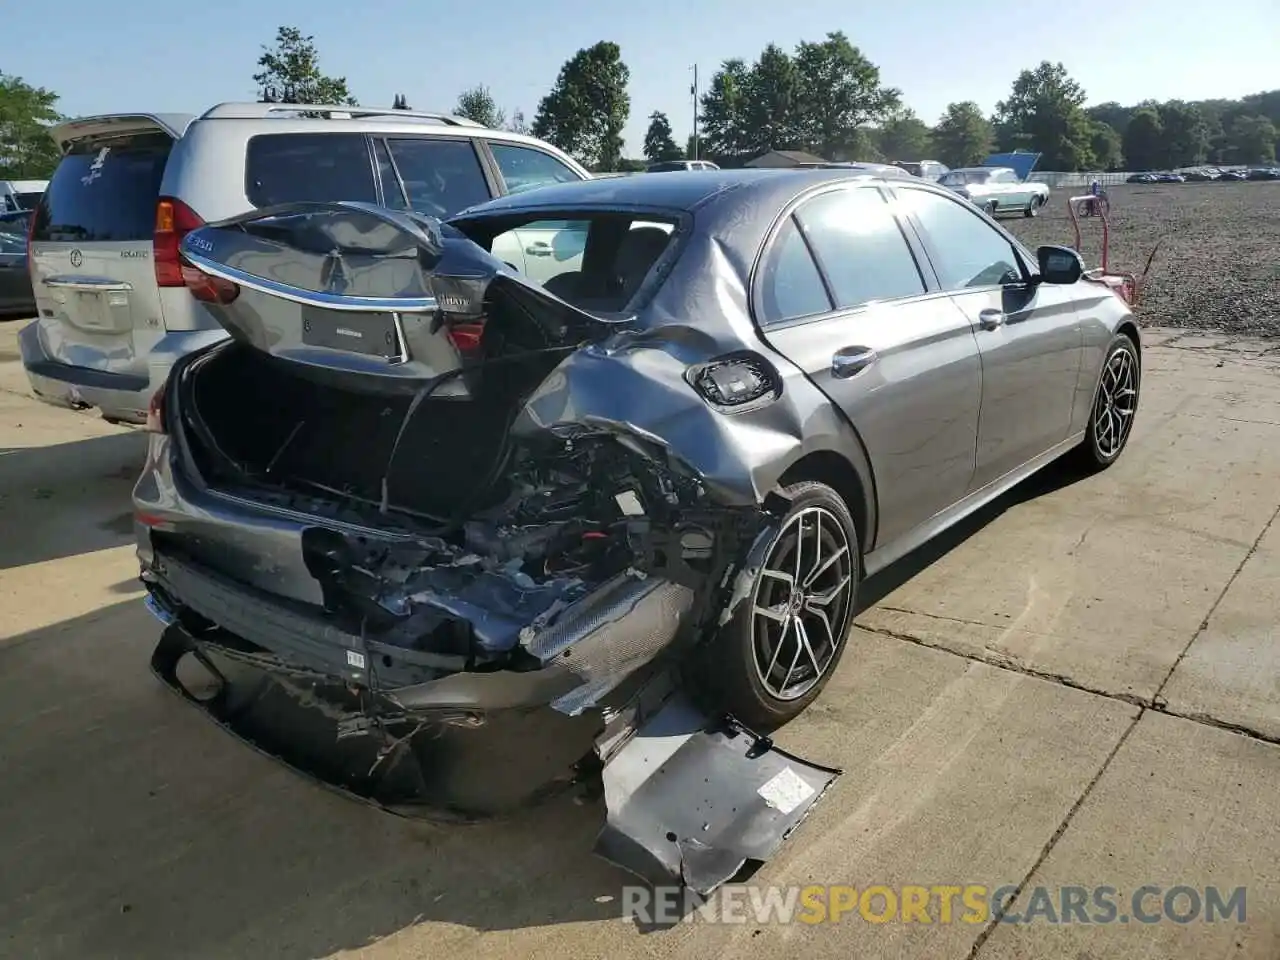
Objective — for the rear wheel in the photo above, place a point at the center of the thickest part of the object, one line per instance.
(782, 645)
(1115, 406)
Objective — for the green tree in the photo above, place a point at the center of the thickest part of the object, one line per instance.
(1186, 135)
(517, 122)
(1105, 144)
(904, 136)
(26, 149)
(771, 111)
(1253, 140)
(840, 94)
(1045, 112)
(588, 107)
(723, 125)
(477, 104)
(291, 73)
(1112, 114)
(963, 136)
(1144, 139)
(658, 142)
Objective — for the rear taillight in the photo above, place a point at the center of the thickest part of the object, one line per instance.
(465, 336)
(174, 220)
(155, 412)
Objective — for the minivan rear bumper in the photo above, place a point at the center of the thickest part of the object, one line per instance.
(119, 396)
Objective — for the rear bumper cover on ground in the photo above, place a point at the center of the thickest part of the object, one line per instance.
(690, 799)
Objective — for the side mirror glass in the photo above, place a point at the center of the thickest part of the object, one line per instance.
(1059, 264)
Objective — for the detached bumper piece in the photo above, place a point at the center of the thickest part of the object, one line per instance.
(691, 801)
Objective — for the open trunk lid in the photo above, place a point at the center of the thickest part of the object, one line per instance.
(356, 293)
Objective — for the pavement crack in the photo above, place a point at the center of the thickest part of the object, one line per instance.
(1000, 910)
(1003, 661)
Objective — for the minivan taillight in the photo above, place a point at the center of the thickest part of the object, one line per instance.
(155, 412)
(174, 220)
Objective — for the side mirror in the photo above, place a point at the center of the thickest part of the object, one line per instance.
(1059, 265)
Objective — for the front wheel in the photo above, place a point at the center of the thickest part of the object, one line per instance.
(1115, 406)
(777, 653)
(1033, 207)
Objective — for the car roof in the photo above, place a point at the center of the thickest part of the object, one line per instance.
(682, 190)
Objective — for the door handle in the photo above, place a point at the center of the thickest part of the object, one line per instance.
(990, 319)
(538, 250)
(848, 361)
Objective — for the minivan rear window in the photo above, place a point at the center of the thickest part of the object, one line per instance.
(104, 190)
(290, 167)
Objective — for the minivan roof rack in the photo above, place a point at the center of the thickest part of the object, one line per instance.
(333, 111)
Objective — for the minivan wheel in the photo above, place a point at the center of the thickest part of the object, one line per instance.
(1115, 406)
(772, 659)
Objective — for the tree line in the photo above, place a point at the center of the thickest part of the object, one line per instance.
(824, 97)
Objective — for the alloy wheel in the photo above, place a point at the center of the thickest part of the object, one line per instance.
(1116, 404)
(801, 603)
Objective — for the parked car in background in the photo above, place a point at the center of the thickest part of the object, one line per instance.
(15, 282)
(1140, 178)
(1202, 176)
(924, 169)
(1168, 177)
(996, 190)
(20, 194)
(1264, 173)
(674, 166)
(1235, 176)
(116, 303)
(478, 527)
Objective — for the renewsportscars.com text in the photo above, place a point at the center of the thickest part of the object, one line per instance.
(938, 904)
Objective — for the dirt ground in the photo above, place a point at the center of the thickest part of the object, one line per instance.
(1218, 265)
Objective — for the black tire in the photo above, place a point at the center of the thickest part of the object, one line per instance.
(1115, 406)
(731, 676)
(1033, 207)
(989, 208)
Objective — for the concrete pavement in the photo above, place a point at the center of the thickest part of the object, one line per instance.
(1077, 687)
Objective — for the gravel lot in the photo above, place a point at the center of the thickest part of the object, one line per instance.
(1218, 265)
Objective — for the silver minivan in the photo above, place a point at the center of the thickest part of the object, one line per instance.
(116, 304)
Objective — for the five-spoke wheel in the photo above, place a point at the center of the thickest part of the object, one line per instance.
(1115, 405)
(785, 639)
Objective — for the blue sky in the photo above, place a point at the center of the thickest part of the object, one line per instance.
(162, 55)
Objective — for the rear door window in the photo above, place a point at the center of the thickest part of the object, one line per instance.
(105, 190)
(860, 246)
(441, 176)
(289, 167)
(524, 168)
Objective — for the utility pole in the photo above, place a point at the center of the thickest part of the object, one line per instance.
(693, 91)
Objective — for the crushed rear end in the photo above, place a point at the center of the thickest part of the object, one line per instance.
(375, 565)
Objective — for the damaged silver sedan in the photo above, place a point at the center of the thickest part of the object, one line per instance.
(447, 540)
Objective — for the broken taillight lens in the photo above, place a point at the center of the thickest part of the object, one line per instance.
(155, 412)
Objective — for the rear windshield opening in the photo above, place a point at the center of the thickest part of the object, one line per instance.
(104, 190)
(597, 261)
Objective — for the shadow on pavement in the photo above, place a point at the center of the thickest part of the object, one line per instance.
(67, 499)
(143, 831)
(1056, 476)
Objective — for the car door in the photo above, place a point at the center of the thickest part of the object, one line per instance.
(1029, 335)
(549, 247)
(841, 294)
